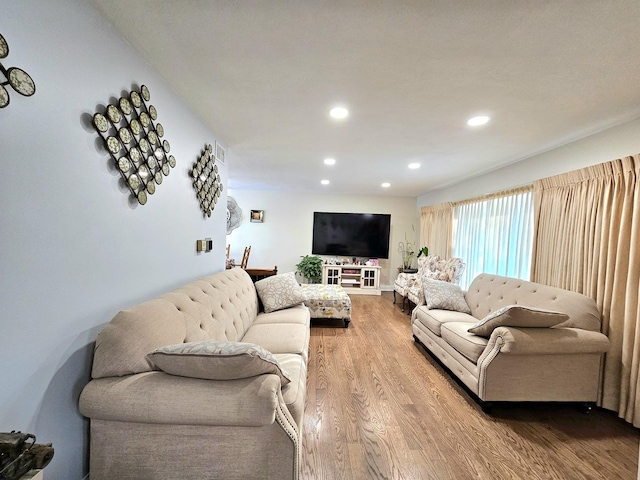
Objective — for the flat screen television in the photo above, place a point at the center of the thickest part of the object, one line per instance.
(351, 234)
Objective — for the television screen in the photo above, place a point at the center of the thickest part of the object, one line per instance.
(351, 234)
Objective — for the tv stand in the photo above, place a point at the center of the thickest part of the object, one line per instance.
(355, 279)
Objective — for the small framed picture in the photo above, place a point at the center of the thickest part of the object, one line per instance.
(257, 216)
(374, 262)
(220, 153)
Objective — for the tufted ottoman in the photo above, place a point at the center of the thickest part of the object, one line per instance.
(328, 301)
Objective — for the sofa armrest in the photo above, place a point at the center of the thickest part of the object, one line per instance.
(157, 397)
(545, 341)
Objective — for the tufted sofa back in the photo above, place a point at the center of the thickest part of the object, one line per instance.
(218, 307)
(488, 293)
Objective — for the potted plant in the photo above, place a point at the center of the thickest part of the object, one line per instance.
(310, 267)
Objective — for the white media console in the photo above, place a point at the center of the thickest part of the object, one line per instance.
(355, 279)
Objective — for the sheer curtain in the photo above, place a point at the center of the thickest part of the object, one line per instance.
(435, 229)
(494, 234)
(588, 241)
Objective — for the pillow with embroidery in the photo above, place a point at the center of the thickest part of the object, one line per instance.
(216, 360)
(439, 295)
(280, 291)
(517, 316)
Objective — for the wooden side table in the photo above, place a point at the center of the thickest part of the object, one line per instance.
(260, 273)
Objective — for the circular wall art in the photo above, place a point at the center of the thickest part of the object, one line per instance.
(206, 180)
(132, 138)
(15, 77)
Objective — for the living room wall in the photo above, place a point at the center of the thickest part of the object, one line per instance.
(286, 233)
(75, 249)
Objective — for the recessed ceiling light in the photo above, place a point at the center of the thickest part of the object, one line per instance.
(329, 161)
(479, 120)
(324, 182)
(339, 113)
(413, 166)
(386, 185)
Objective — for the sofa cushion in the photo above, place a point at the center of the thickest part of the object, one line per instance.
(444, 296)
(280, 291)
(293, 393)
(434, 319)
(280, 337)
(468, 344)
(297, 314)
(217, 360)
(517, 316)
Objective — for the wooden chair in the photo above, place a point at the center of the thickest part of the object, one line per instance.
(245, 257)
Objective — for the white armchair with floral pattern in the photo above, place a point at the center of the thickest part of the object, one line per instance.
(409, 285)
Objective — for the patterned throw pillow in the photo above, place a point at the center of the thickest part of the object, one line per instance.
(216, 360)
(444, 296)
(280, 291)
(517, 316)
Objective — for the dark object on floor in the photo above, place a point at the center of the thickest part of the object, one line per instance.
(19, 453)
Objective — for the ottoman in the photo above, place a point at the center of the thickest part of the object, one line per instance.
(328, 301)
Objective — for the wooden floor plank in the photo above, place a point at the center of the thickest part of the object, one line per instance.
(378, 406)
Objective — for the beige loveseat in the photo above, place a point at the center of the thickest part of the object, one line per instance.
(148, 424)
(559, 363)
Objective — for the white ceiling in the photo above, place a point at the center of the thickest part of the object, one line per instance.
(263, 75)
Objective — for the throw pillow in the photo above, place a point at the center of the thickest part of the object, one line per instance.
(280, 291)
(517, 316)
(217, 360)
(444, 296)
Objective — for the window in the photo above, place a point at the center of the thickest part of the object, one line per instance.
(494, 236)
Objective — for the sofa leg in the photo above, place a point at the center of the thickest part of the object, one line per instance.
(487, 407)
(346, 322)
(394, 297)
(587, 407)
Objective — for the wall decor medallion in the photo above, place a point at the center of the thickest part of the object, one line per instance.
(135, 141)
(15, 77)
(234, 215)
(206, 180)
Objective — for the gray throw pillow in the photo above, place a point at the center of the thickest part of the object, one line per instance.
(439, 295)
(517, 316)
(280, 291)
(216, 360)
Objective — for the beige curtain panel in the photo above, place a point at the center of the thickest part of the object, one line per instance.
(588, 240)
(435, 229)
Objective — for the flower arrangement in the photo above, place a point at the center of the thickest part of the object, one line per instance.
(407, 251)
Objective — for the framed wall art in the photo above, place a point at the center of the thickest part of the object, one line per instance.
(257, 216)
(220, 153)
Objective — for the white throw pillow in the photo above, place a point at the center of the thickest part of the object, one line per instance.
(439, 295)
(217, 360)
(517, 316)
(280, 291)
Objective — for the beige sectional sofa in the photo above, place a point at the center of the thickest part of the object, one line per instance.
(517, 363)
(149, 424)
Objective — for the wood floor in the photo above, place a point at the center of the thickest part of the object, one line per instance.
(380, 407)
